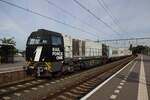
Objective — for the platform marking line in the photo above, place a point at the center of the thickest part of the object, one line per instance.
(142, 88)
(113, 96)
(116, 91)
(107, 80)
(125, 78)
(119, 87)
(121, 83)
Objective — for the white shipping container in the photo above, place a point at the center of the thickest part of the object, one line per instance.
(117, 52)
(113, 52)
(93, 48)
(67, 46)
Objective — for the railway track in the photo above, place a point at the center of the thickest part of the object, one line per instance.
(72, 86)
(82, 87)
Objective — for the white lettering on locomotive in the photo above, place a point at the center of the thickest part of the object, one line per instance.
(57, 53)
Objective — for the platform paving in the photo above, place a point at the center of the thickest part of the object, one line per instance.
(131, 83)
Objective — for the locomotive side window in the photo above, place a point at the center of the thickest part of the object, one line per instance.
(56, 40)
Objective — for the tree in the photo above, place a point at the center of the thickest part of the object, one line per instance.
(8, 41)
(140, 49)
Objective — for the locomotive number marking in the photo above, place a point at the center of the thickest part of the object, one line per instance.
(38, 53)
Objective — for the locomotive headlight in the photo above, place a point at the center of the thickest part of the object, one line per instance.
(45, 68)
(32, 67)
(43, 59)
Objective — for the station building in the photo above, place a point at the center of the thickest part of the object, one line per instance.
(6, 53)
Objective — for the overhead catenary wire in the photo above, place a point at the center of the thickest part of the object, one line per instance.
(115, 19)
(70, 14)
(47, 17)
(106, 6)
(103, 5)
(99, 19)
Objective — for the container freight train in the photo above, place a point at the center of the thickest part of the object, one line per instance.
(50, 53)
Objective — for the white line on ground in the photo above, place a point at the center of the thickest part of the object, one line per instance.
(119, 87)
(113, 96)
(116, 91)
(142, 89)
(121, 83)
(98, 87)
(130, 71)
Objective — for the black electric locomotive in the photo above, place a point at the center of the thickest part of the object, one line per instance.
(44, 53)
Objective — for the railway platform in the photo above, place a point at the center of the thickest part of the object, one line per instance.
(132, 82)
(18, 64)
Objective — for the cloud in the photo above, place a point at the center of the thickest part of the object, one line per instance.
(133, 16)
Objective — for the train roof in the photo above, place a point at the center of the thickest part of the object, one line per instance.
(45, 32)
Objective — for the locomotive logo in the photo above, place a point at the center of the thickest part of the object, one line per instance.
(57, 53)
(38, 53)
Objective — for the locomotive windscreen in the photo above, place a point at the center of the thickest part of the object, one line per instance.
(38, 40)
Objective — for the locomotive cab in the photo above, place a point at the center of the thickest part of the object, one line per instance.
(44, 52)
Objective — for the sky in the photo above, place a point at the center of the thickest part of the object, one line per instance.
(131, 19)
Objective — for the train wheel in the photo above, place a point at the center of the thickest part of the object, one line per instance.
(70, 69)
